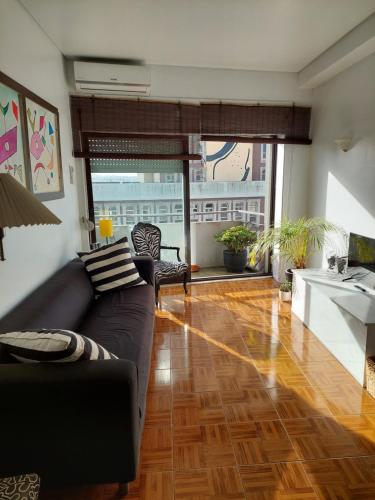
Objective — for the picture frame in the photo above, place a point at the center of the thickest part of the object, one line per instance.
(40, 132)
(43, 149)
(13, 158)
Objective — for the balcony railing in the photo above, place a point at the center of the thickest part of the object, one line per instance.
(204, 250)
(136, 191)
(243, 216)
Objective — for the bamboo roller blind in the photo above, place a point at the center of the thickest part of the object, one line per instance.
(108, 115)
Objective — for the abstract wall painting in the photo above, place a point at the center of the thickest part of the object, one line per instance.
(44, 150)
(30, 140)
(12, 156)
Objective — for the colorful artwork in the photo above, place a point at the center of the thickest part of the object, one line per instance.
(43, 141)
(12, 158)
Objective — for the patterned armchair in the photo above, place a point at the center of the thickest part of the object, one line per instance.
(147, 241)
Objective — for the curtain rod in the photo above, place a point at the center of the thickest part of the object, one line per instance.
(196, 100)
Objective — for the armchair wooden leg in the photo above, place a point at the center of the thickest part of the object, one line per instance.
(185, 283)
(157, 288)
(123, 490)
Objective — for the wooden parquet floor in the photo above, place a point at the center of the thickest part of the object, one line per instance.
(245, 403)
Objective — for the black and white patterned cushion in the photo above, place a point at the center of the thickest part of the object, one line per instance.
(25, 487)
(164, 269)
(111, 267)
(36, 346)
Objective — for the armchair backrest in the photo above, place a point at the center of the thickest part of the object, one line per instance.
(146, 239)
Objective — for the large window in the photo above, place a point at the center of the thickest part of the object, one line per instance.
(263, 153)
(224, 207)
(231, 185)
(143, 199)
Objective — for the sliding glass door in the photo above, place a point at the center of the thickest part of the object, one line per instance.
(189, 201)
(231, 186)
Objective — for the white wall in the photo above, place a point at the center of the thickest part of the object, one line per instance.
(292, 188)
(180, 82)
(342, 185)
(34, 253)
(192, 84)
(295, 185)
(205, 251)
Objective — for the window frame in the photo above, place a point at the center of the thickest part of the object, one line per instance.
(188, 213)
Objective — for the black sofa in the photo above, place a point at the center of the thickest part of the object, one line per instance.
(79, 423)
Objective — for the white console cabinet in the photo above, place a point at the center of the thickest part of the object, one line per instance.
(341, 316)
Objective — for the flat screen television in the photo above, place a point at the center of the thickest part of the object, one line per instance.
(361, 252)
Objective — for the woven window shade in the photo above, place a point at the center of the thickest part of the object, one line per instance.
(118, 116)
(229, 119)
(92, 114)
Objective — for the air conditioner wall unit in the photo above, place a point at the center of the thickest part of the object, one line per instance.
(112, 79)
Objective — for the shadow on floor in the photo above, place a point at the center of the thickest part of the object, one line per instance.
(293, 422)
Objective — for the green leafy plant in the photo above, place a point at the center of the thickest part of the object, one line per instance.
(236, 238)
(286, 286)
(296, 240)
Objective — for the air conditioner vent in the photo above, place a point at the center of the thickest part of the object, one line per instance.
(112, 79)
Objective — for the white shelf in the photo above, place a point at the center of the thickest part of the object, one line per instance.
(341, 316)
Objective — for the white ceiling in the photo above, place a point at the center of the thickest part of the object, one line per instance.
(271, 35)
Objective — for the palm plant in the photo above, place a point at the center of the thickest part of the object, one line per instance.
(296, 240)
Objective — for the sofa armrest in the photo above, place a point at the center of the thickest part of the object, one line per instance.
(145, 266)
(71, 422)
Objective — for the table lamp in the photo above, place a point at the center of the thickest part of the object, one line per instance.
(106, 228)
(19, 207)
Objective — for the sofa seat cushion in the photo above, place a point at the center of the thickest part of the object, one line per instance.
(123, 323)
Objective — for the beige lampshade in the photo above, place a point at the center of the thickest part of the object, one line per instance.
(19, 207)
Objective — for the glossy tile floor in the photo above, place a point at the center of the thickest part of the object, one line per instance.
(245, 403)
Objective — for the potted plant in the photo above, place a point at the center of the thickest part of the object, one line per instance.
(285, 291)
(236, 239)
(296, 240)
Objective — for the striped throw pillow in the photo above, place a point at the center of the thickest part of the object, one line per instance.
(36, 346)
(111, 267)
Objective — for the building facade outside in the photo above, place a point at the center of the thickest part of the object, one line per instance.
(229, 184)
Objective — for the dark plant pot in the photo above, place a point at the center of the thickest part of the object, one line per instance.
(235, 262)
(289, 275)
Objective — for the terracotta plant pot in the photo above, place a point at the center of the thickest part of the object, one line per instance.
(195, 268)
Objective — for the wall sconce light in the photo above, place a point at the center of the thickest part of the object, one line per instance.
(344, 144)
(87, 223)
(19, 207)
